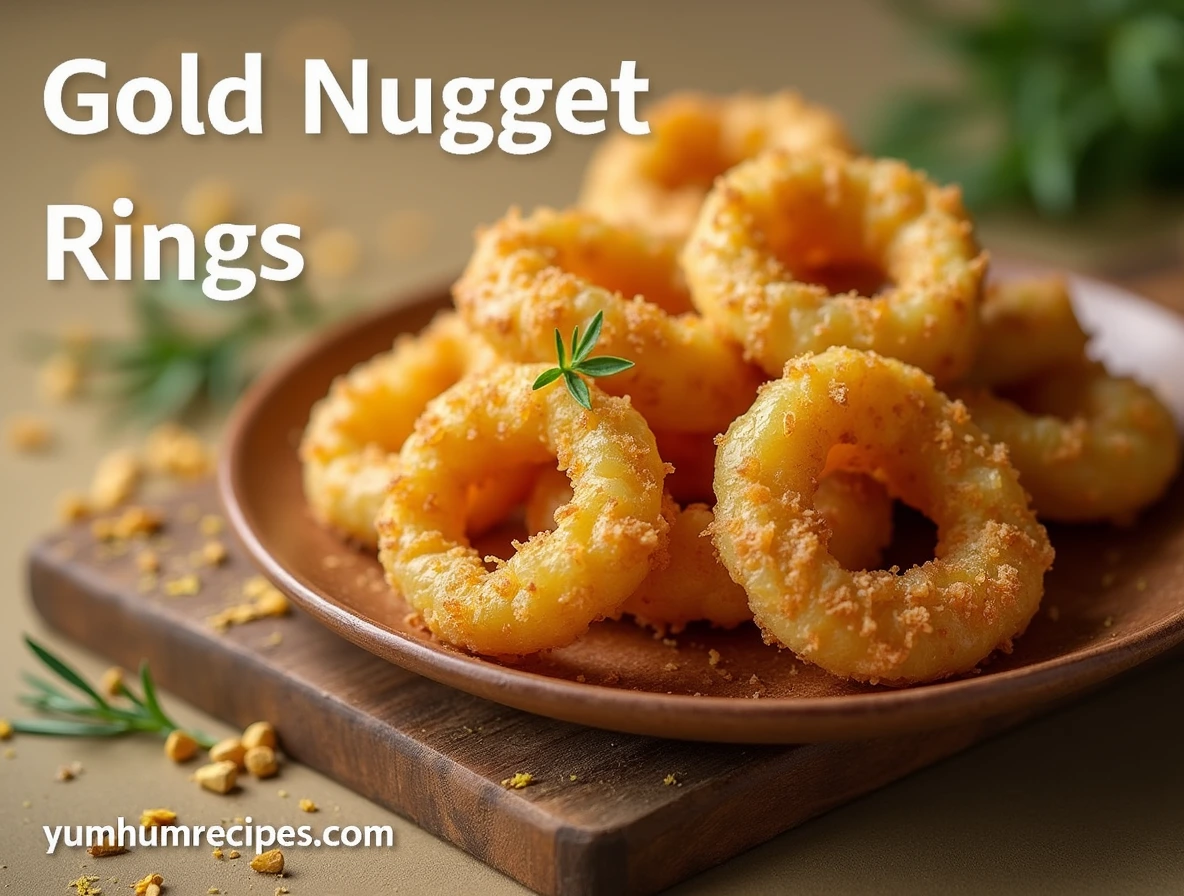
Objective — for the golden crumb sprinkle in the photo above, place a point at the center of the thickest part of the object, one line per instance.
(85, 886)
(234, 854)
(273, 640)
(518, 781)
(64, 773)
(281, 890)
(180, 746)
(173, 450)
(182, 586)
(104, 850)
(157, 817)
(134, 522)
(28, 434)
(270, 862)
(213, 891)
(218, 853)
(671, 780)
(218, 777)
(115, 479)
(5, 729)
(111, 683)
(73, 507)
(143, 884)
(713, 657)
(213, 553)
(263, 600)
(259, 734)
(59, 378)
(307, 805)
(210, 525)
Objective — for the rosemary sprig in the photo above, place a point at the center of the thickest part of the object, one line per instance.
(96, 716)
(580, 363)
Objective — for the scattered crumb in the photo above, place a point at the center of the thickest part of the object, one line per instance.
(103, 850)
(157, 817)
(65, 773)
(134, 522)
(182, 586)
(213, 891)
(670, 667)
(283, 794)
(72, 507)
(713, 657)
(518, 781)
(281, 890)
(59, 378)
(5, 729)
(143, 884)
(213, 553)
(147, 561)
(573, 777)
(115, 480)
(234, 854)
(84, 886)
(28, 434)
(671, 780)
(173, 450)
(180, 746)
(273, 640)
(218, 854)
(111, 683)
(307, 805)
(670, 642)
(210, 525)
(26, 804)
(1054, 613)
(263, 600)
(270, 862)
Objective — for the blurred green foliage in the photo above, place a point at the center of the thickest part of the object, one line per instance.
(1061, 103)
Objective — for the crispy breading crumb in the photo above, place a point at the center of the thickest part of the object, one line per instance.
(213, 891)
(671, 780)
(173, 450)
(115, 479)
(573, 777)
(213, 553)
(180, 746)
(263, 600)
(218, 854)
(217, 777)
(104, 850)
(73, 507)
(84, 886)
(270, 862)
(307, 805)
(713, 657)
(234, 854)
(281, 890)
(28, 434)
(182, 586)
(65, 773)
(5, 729)
(60, 377)
(518, 780)
(134, 522)
(143, 885)
(157, 817)
(111, 683)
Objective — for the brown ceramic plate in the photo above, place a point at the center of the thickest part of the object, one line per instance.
(1114, 600)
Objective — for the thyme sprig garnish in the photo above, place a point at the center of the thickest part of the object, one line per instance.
(95, 716)
(580, 363)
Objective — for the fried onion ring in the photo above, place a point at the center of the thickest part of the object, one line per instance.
(557, 583)
(1027, 327)
(774, 228)
(876, 415)
(657, 182)
(688, 584)
(529, 276)
(351, 444)
(1089, 446)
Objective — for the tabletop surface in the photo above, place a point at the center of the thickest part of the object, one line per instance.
(1089, 799)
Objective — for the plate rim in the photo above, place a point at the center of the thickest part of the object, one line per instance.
(768, 720)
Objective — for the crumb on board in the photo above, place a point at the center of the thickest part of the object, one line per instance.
(213, 553)
(148, 561)
(518, 781)
(104, 850)
(307, 805)
(157, 817)
(270, 862)
(143, 885)
(176, 451)
(713, 657)
(263, 600)
(68, 772)
(573, 777)
(73, 507)
(85, 885)
(182, 586)
(115, 479)
(234, 854)
(670, 667)
(134, 522)
(283, 794)
(28, 434)
(671, 780)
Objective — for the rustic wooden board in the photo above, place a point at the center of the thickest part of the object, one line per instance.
(435, 755)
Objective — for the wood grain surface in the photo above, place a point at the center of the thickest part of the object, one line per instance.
(599, 817)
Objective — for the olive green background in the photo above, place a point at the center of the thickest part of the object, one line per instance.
(1089, 800)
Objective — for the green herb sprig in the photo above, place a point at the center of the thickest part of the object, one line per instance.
(1059, 104)
(96, 716)
(580, 363)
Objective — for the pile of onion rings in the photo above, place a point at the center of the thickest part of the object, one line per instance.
(812, 339)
